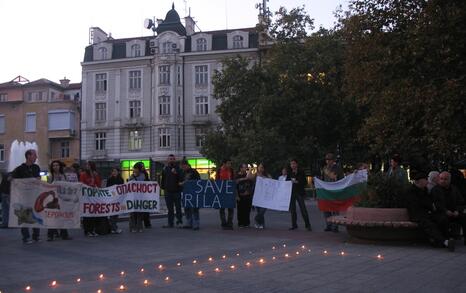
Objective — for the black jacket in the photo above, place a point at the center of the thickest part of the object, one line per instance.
(114, 181)
(6, 183)
(171, 181)
(191, 174)
(447, 199)
(298, 188)
(420, 204)
(25, 171)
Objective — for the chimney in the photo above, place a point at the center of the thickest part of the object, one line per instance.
(189, 24)
(65, 82)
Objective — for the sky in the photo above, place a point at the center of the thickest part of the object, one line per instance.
(46, 38)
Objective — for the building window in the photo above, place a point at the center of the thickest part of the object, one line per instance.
(202, 105)
(103, 53)
(2, 123)
(201, 75)
(2, 152)
(135, 50)
(164, 137)
(100, 112)
(200, 136)
(178, 75)
(61, 120)
(167, 47)
(164, 74)
(135, 140)
(179, 106)
(30, 122)
(65, 149)
(237, 42)
(164, 105)
(35, 96)
(100, 138)
(134, 109)
(101, 82)
(135, 80)
(201, 44)
(3, 97)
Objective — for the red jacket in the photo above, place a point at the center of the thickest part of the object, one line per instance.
(225, 173)
(93, 180)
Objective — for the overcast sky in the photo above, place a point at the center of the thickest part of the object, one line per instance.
(46, 38)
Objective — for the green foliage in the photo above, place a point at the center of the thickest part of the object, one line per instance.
(383, 192)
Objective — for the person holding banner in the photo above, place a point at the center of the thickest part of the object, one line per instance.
(260, 212)
(192, 214)
(57, 174)
(28, 170)
(297, 195)
(91, 178)
(245, 190)
(331, 173)
(226, 173)
(170, 183)
(145, 215)
(136, 218)
(114, 179)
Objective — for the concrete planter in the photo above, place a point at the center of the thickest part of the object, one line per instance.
(379, 224)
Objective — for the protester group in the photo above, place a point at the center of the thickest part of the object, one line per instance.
(435, 202)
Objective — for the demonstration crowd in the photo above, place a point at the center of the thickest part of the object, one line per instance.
(437, 205)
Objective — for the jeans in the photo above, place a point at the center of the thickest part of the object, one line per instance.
(331, 226)
(5, 209)
(146, 220)
(89, 224)
(173, 201)
(192, 217)
(294, 217)
(244, 210)
(113, 222)
(27, 236)
(228, 222)
(260, 219)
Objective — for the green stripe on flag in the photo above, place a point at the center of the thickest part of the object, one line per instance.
(341, 194)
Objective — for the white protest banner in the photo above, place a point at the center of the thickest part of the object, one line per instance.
(40, 205)
(272, 194)
(134, 196)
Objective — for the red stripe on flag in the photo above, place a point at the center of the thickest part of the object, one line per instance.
(336, 205)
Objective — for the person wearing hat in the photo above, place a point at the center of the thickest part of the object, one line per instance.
(396, 171)
(331, 173)
(422, 210)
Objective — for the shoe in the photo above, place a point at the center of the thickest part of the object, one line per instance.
(133, 230)
(118, 231)
(309, 228)
(261, 227)
(328, 229)
(293, 228)
(28, 241)
(451, 245)
(37, 240)
(94, 234)
(139, 230)
(179, 224)
(256, 226)
(67, 238)
(335, 230)
(187, 227)
(88, 234)
(167, 226)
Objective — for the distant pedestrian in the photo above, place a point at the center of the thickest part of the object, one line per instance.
(226, 173)
(244, 188)
(260, 211)
(192, 214)
(172, 175)
(298, 178)
(396, 172)
(28, 170)
(90, 177)
(114, 179)
(57, 174)
(145, 215)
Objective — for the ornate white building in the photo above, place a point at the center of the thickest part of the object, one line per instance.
(146, 97)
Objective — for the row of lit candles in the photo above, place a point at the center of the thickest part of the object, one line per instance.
(200, 273)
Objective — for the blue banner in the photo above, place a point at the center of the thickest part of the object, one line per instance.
(209, 194)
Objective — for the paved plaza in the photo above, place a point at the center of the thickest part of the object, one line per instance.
(247, 260)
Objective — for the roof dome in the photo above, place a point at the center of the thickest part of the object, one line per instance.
(172, 23)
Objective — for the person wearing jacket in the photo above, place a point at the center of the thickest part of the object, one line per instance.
(297, 195)
(226, 173)
(172, 175)
(244, 188)
(192, 214)
(260, 212)
(90, 177)
(114, 179)
(136, 218)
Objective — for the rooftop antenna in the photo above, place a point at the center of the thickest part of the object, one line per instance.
(186, 8)
(150, 24)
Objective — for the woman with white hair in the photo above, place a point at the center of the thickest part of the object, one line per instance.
(432, 180)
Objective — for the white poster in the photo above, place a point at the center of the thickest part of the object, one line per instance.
(272, 194)
(37, 204)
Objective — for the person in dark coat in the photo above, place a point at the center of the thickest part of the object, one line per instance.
(172, 175)
(28, 170)
(297, 195)
(450, 203)
(423, 211)
(114, 179)
(192, 214)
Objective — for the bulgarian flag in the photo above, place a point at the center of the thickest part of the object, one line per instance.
(339, 195)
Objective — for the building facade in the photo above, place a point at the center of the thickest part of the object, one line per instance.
(43, 112)
(145, 98)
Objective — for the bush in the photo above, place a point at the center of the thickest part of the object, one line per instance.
(383, 192)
